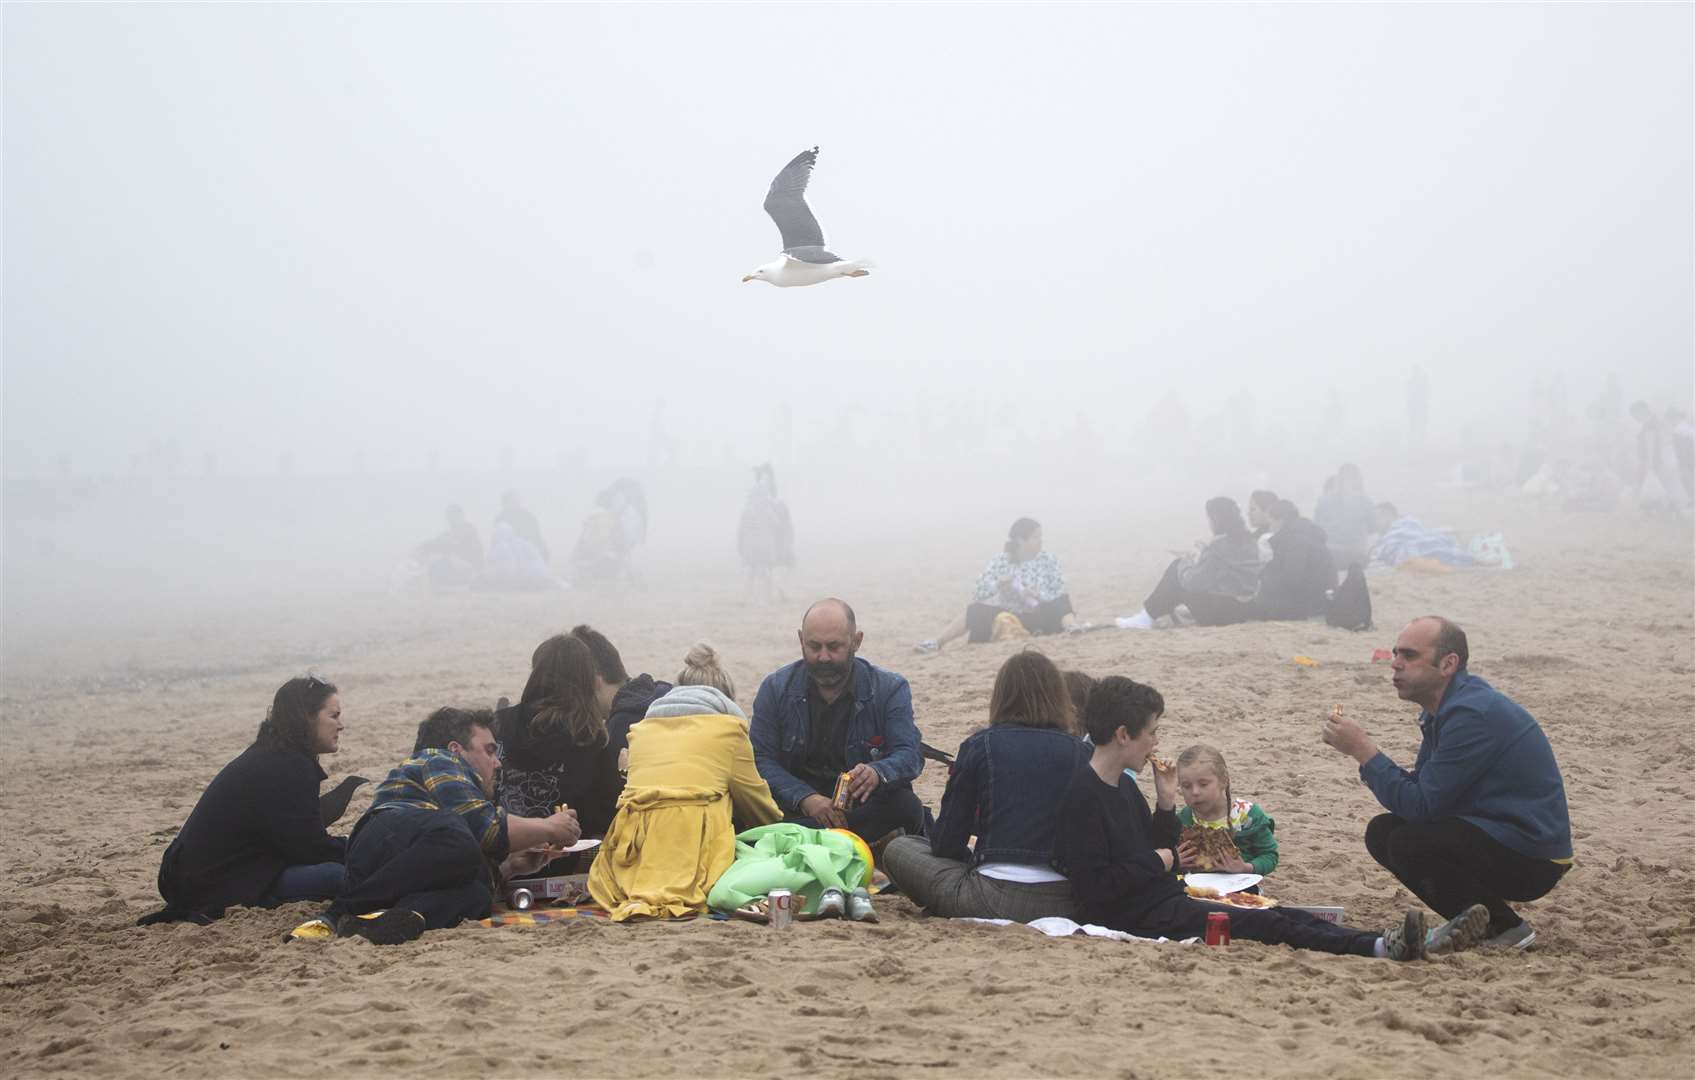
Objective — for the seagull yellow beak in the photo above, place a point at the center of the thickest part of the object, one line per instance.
(747, 278)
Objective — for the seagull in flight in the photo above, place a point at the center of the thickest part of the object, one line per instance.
(805, 260)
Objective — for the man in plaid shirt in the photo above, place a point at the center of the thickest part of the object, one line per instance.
(419, 859)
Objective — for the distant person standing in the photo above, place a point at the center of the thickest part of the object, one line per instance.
(1682, 437)
(1481, 816)
(765, 538)
(1653, 456)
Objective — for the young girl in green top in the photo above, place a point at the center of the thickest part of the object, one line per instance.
(1204, 782)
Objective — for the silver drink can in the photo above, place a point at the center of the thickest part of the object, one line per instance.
(522, 899)
(781, 903)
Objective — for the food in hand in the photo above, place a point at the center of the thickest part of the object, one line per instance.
(1163, 765)
(1213, 847)
(1336, 713)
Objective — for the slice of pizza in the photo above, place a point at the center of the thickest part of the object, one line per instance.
(1213, 846)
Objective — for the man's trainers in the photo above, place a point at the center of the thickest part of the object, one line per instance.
(832, 904)
(1406, 941)
(1518, 938)
(392, 927)
(859, 906)
(1464, 931)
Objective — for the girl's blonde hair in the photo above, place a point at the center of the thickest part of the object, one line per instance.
(701, 667)
(1202, 754)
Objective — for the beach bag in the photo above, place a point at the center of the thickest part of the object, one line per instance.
(1350, 604)
(1008, 627)
(791, 856)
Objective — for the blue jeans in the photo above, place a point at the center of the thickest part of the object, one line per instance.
(319, 881)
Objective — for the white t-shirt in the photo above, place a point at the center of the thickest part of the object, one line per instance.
(1020, 873)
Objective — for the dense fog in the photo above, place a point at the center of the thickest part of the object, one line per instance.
(284, 281)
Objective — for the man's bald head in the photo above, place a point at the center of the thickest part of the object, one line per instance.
(828, 640)
(832, 609)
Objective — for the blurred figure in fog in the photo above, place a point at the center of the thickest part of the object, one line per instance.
(513, 563)
(1260, 504)
(765, 538)
(1296, 581)
(523, 523)
(611, 531)
(1654, 457)
(1024, 581)
(1348, 517)
(455, 556)
(1682, 438)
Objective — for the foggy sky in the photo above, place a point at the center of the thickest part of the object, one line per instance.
(386, 230)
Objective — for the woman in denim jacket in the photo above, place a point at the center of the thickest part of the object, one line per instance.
(1006, 787)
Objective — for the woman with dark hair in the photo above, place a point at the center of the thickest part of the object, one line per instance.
(1006, 787)
(1023, 581)
(1216, 583)
(256, 838)
(555, 747)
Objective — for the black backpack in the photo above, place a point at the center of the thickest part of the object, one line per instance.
(1350, 604)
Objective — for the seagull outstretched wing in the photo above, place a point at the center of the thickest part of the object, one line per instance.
(786, 203)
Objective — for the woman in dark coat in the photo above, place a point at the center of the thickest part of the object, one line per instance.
(256, 838)
(555, 747)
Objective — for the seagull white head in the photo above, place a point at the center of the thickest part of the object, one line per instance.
(771, 271)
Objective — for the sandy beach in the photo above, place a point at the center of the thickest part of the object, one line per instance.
(114, 725)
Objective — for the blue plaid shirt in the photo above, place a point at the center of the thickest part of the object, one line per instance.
(442, 780)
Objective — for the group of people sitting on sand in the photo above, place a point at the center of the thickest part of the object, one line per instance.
(517, 558)
(1041, 815)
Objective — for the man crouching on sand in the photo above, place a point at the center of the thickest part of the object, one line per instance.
(419, 858)
(1481, 817)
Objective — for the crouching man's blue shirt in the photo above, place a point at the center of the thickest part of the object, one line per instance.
(1484, 760)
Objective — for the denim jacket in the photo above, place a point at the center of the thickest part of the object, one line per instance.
(881, 731)
(1006, 787)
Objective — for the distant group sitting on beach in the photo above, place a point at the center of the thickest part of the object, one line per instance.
(1041, 816)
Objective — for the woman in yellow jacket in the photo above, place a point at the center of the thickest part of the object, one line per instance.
(691, 781)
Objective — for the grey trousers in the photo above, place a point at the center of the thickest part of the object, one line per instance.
(954, 890)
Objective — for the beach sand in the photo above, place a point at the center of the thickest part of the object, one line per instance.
(112, 732)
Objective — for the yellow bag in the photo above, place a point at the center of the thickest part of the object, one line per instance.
(1008, 627)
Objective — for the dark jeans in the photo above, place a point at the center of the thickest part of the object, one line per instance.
(320, 881)
(980, 618)
(1452, 864)
(1207, 608)
(891, 807)
(1183, 917)
(418, 860)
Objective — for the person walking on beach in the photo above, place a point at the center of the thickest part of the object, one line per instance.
(1481, 817)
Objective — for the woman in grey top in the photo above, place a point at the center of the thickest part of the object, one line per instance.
(1215, 583)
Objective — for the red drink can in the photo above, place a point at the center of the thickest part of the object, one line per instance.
(781, 905)
(1218, 928)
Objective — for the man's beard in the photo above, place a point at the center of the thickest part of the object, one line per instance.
(830, 674)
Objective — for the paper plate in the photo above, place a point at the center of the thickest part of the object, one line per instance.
(589, 845)
(1224, 883)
